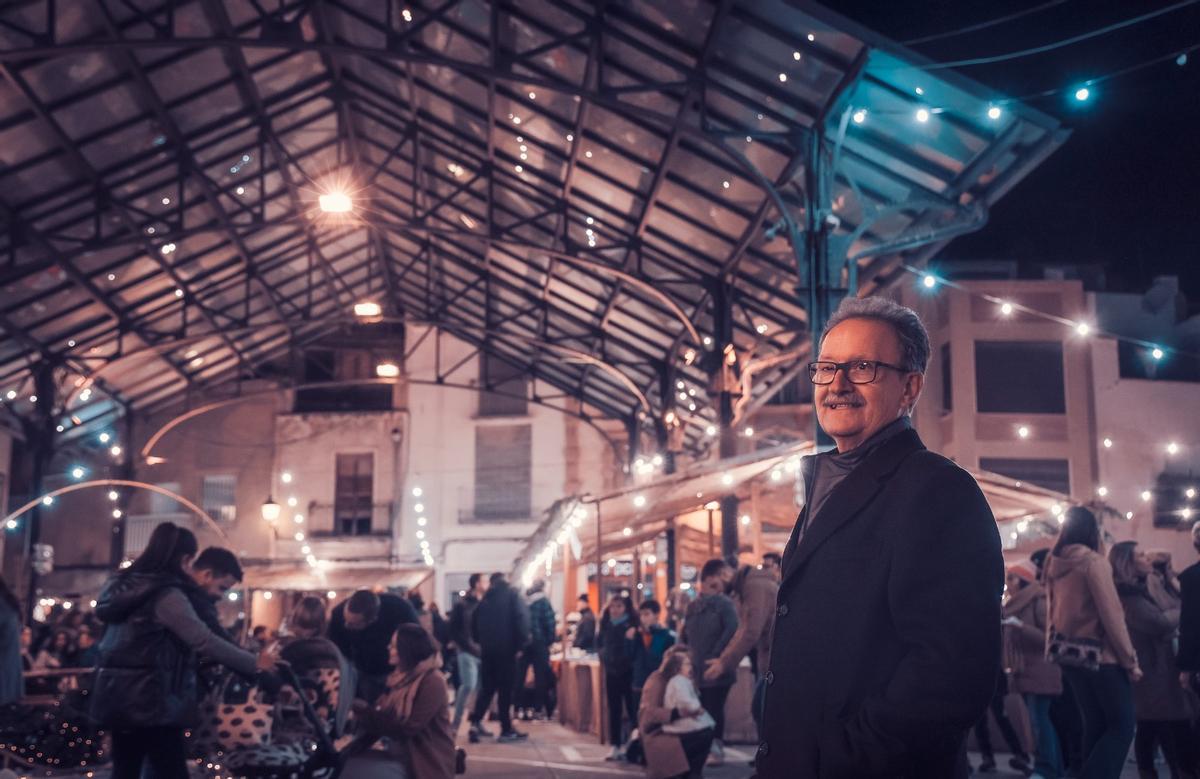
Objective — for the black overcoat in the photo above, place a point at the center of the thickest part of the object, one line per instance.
(886, 645)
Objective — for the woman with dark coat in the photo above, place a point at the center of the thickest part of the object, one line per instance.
(616, 626)
(144, 691)
(1160, 702)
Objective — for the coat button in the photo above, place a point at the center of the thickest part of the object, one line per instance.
(763, 749)
(770, 677)
(782, 610)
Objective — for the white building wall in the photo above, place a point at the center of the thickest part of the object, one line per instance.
(1142, 417)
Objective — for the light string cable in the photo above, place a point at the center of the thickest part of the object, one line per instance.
(983, 25)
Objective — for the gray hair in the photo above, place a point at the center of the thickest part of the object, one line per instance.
(914, 338)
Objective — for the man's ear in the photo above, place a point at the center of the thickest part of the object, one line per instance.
(913, 385)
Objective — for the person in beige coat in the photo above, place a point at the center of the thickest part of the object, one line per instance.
(665, 755)
(1085, 611)
(1030, 675)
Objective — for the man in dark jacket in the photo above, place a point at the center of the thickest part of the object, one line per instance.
(585, 629)
(1188, 656)
(710, 624)
(886, 644)
(469, 653)
(542, 630)
(501, 626)
(362, 626)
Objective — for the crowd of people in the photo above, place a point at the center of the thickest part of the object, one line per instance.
(1103, 646)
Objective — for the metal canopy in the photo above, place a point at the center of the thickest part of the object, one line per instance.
(556, 182)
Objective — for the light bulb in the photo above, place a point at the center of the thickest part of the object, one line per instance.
(994, 112)
(922, 115)
(860, 116)
(1082, 94)
(1156, 353)
(1083, 328)
(1023, 431)
(929, 281)
(1006, 309)
(1108, 443)
(639, 500)
(1172, 448)
(1146, 496)
(1102, 491)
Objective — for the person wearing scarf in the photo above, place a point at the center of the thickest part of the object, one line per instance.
(413, 715)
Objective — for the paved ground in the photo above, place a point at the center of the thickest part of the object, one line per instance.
(555, 751)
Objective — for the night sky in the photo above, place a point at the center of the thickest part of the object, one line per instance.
(1122, 191)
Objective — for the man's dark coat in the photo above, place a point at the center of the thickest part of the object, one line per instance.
(886, 646)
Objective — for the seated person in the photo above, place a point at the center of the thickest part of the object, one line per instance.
(412, 713)
(670, 755)
(694, 726)
(322, 669)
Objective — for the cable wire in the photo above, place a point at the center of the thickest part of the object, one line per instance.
(983, 25)
(1057, 44)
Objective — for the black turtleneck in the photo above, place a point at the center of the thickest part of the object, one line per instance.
(825, 471)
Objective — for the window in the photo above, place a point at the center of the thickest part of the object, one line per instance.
(1013, 377)
(217, 497)
(503, 471)
(947, 385)
(163, 504)
(327, 365)
(1051, 474)
(352, 494)
(505, 378)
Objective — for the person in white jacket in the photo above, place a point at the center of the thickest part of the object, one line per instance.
(693, 725)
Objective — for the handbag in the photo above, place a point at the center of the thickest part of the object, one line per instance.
(235, 716)
(1082, 653)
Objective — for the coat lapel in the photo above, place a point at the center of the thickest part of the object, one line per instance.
(848, 498)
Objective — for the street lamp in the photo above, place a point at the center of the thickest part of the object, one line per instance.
(270, 510)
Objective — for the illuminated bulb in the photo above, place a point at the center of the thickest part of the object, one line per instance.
(233, 596)
(240, 190)
(1102, 491)
(419, 508)
(612, 562)
(1023, 431)
(11, 524)
(745, 519)
(115, 451)
(420, 534)
(298, 519)
(335, 203)
(292, 502)
(1146, 496)
(367, 309)
(919, 91)
(299, 536)
(860, 116)
(105, 438)
(929, 281)
(710, 431)
(656, 460)
(11, 394)
(116, 513)
(286, 477)
(1172, 448)
(306, 549)
(1006, 308)
(1108, 443)
(1082, 94)
(77, 473)
(762, 329)
(112, 495)
(922, 115)
(811, 37)
(994, 112)
(1156, 353)
(783, 77)
(1056, 509)
(422, 521)
(796, 56)
(776, 474)
(1083, 328)
(749, 431)
(724, 185)
(627, 532)
(267, 595)
(727, 479)
(1186, 513)
(639, 500)
(1128, 515)
(417, 492)
(387, 370)
(1190, 492)
(33, 398)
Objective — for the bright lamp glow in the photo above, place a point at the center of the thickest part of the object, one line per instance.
(994, 112)
(1156, 353)
(367, 309)
(270, 510)
(387, 370)
(929, 281)
(336, 203)
(1082, 94)
(1083, 328)
(922, 115)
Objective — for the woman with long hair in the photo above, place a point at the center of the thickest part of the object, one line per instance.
(1087, 636)
(145, 690)
(11, 686)
(616, 626)
(304, 646)
(412, 714)
(1159, 701)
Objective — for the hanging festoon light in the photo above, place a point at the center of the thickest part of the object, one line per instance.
(420, 509)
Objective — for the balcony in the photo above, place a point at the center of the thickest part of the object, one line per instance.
(321, 536)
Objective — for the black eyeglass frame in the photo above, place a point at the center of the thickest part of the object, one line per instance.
(845, 367)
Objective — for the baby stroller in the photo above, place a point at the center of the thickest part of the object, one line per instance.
(291, 754)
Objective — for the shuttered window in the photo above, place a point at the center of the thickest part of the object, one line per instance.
(352, 494)
(217, 497)
(503, 471)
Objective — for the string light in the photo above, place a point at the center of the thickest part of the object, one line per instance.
(1108, 443)
(1156, 353)
(1023, 431)
(923, 116)
(1102, 491)
(1146, 496)
(1006, 309)
(1172, 448)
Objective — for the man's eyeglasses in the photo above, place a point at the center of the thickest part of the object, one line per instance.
(857, 371)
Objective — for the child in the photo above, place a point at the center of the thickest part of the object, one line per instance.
(690, 721)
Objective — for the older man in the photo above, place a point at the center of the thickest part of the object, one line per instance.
(887, 626)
